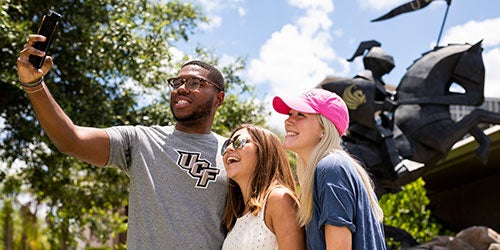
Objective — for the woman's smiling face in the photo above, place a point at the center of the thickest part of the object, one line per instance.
(303, 132)
(240, 157)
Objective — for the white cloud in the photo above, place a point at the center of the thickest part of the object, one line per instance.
(290, 59)
(213, 8)
(226, 60)
(380, 5)
(492, 64)
(210, 5)
(313, 22)
(338, 32)
(214, 22)
(242, 11)
(325, 5)
(474, 31)
(298, 56)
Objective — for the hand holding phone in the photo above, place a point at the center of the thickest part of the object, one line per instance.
(47, 29)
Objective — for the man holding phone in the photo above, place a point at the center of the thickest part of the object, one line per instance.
(178, 184)
(47, 29)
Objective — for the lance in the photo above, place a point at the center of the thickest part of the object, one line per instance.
(442, 24)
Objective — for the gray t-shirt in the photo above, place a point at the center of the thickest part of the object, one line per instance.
(178, 186)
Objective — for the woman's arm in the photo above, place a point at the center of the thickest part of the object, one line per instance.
(337, 237)
(281, 219)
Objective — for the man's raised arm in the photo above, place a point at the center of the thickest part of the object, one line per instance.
(85, 143)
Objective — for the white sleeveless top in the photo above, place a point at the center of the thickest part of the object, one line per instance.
(251, 232)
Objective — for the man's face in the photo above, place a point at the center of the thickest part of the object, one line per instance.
(188, 105)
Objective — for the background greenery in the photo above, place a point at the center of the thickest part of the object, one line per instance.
(408, 210)
(111, 62)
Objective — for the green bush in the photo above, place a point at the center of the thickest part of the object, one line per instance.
(407, 210)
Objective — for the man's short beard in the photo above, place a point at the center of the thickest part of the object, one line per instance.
(201, 112)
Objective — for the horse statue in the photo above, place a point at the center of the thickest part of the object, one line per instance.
(371, 132)
(398, 135)
(425, 94)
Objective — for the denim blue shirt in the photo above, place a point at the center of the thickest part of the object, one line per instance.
(340, 199)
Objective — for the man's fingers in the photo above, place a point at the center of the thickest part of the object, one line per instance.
(28, 50)
(26, 71)
(33, 38)
(47, 64)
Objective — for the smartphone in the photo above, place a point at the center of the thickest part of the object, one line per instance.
(46, 29)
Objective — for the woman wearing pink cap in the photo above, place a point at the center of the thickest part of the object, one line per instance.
(337, 203)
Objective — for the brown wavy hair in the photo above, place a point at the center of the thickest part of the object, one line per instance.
(272, 170)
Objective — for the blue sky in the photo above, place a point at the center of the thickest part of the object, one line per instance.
(292, 45)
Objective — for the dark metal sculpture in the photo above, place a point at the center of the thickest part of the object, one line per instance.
(370, 135)
(424, 98)
(397, 135)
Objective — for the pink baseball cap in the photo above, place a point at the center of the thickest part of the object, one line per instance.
(317, 101)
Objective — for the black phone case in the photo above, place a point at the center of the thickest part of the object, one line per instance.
(47, 29)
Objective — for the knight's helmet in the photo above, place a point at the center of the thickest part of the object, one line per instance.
(376, 60)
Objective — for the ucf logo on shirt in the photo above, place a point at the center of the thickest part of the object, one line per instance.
(197, 168)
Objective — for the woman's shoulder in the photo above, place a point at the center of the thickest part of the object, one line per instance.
(335, 158)
(335, 164)
(281, 206)
(281, 198)
(280, 192)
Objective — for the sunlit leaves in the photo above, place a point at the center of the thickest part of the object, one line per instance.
(108, 56)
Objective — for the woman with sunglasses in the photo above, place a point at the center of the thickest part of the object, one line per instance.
(261, 207)
(337, 203)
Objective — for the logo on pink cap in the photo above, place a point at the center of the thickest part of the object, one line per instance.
(317, 101)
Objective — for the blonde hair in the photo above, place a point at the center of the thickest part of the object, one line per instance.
(305, 172)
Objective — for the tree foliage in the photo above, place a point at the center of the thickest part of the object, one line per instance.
(111, 61)
(408, 210)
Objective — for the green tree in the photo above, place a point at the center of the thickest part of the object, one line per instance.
(408, 210)
(7, 222)
(108, 55)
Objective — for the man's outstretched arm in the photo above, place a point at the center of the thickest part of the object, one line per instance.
(85, 143)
